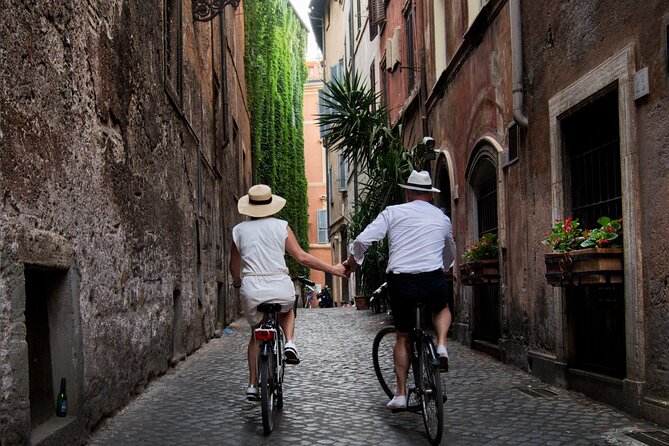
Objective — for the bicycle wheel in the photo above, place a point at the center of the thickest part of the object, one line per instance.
(384, 367)
(267, 393)
(431, 395)
(382, 356)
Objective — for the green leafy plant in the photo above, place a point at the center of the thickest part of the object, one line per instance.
(606, 236)
(483, 249)
(565, 235)
(362, 133)
(275, 44)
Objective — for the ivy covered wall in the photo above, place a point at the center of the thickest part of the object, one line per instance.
(275, 75)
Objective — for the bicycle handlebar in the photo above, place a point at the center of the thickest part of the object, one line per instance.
(380, 289)
(303, 280)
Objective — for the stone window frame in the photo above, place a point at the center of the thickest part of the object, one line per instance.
(620, 69)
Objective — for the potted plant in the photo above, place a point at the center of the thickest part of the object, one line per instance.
(481, 261)
(584, 257)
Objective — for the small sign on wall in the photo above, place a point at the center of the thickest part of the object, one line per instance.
(641, 83)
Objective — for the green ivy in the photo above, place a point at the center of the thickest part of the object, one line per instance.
(275, 46)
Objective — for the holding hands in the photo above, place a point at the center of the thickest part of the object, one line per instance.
(345, 268)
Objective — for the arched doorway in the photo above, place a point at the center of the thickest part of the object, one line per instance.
(482, 179)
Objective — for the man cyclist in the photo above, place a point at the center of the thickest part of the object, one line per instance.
(421, 250)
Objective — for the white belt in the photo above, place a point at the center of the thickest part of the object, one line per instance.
(271, 273)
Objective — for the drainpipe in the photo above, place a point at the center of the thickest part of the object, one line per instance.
(517, 63)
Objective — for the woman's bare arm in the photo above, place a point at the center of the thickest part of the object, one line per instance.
(294, 249)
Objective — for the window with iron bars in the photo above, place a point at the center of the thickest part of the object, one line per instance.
(592, 145)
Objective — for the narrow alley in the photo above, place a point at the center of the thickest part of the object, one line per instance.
(333, 398)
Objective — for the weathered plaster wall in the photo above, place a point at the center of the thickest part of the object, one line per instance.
(562, 43)
(474, 103)
(94, 151)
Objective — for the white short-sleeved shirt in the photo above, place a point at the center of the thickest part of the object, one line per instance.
(262, 245)
(419, 234)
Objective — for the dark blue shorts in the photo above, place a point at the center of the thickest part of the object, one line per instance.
(405, 289)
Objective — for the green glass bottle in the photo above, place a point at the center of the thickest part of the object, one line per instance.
(61, 401)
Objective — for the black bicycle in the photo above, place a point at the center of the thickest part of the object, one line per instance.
(423, 386)
(271, 361)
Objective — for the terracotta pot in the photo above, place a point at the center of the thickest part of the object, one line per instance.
(361, 303)
(591, 266)
(480, 272)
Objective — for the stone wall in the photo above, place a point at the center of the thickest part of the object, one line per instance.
(133, 189)
(575, 44)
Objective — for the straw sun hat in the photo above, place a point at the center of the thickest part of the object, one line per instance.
(420, 181)
(260, 202)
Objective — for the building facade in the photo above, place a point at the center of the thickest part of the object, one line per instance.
(314, 166)
(329, 20)
(124, 147)
(542, 111)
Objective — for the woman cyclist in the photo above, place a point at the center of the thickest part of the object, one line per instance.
(258, 268)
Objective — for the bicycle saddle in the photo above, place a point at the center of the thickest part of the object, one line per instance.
(269, 308)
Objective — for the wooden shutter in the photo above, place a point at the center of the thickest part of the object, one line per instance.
(378, 11)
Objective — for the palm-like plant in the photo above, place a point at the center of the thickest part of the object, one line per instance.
(354, 126)
(362, 134)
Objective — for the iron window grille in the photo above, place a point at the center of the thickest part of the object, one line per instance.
(592, 144)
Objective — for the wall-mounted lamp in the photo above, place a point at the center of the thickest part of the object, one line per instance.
(205, 10)
(429, 142)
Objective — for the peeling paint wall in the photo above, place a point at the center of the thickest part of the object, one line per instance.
(142, 189)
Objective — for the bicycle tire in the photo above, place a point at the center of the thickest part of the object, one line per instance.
(280, 369)
(384, 367)
(382, 357)
(266, 394)
(431, 396)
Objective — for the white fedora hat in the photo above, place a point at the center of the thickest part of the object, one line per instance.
(260, 202)
(420, 181)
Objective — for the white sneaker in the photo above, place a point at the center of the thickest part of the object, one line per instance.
(252, 393)
(291, 353)
(399, 402)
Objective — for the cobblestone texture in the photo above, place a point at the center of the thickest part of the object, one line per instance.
(333, 398)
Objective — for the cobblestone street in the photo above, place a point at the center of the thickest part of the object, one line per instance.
(333, 398)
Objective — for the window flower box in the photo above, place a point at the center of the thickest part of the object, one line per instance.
(592, 266)
(480, 272)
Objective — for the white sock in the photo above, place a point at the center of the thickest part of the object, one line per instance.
(442, 351)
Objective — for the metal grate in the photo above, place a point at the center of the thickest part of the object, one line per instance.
(487, 207)
(592, 142)
(537, 393)
(652, 438)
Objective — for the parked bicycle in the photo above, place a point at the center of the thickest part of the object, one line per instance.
(423, 389)
(379, 300)
(271, 361)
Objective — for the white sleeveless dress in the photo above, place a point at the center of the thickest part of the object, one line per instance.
(262, 245)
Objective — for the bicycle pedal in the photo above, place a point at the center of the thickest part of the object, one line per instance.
(443, 364)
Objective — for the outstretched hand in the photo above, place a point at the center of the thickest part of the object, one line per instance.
(350, 265)
(341, 270)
